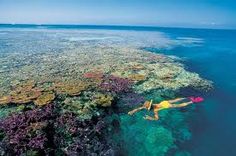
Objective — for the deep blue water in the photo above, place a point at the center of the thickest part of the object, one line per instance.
(214, 58)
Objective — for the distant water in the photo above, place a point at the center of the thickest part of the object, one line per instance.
(212, 53)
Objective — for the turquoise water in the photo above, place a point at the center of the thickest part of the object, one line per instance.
(211, 53)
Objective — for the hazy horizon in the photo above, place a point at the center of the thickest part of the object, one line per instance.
(212, 14)
(101, 26)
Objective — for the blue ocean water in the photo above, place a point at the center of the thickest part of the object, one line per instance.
(215, 59)
(211, 53)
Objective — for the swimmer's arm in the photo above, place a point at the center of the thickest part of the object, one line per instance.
(136, 110)
(156, 117)
(146, 105)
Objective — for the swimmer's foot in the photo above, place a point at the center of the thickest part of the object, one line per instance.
(196, 99)
(147, 117)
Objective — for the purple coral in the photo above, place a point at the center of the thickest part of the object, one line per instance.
(116, 84)
(83, 137)
(24, 131)
(37, 142)
(46, 131)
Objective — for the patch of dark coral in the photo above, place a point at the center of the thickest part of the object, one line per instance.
(45, 131)
(76, 137)
(49, 130)
(116, 84)
(26, 131)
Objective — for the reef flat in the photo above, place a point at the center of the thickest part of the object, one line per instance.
(73, 100)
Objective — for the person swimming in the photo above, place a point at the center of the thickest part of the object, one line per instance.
(165, 105)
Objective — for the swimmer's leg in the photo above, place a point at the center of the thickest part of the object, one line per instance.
(176, 100)
(156, 117)
(181, 105)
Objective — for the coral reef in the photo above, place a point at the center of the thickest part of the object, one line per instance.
(87, 104)
(24, 95)
(44, 98)
(154, 140)
(137, 77)
(74, 137)
(93, 75)
(5, 100)
(45, 132)
(131, 99)
(102, 100)
(71, 88)
(6, 110)
(83, 110)
(21, 94)
(115, 84)
(55, 95)
(171, 76)
(136, 67)
(25, 131)
(159, 141)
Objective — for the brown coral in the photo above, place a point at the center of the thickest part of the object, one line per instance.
(25, 95)
(21, 94)
(137, 77)
(5, 100)
(45, 98)
(71, 88)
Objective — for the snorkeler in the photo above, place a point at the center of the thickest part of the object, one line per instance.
(164, 105)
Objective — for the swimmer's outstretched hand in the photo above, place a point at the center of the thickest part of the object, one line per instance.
(131, 112)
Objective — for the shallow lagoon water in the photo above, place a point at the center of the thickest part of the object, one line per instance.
(206, 129)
